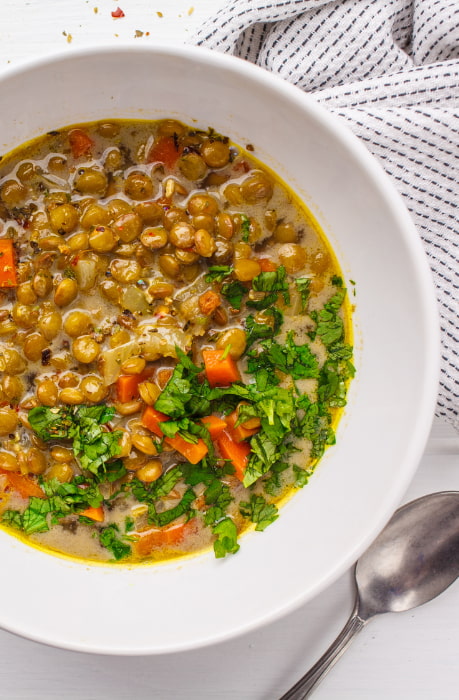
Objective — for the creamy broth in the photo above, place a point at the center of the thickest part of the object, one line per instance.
(174, 341)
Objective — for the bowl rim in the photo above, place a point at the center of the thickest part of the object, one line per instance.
(427, 302)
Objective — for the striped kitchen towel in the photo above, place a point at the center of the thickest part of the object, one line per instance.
(390, 69)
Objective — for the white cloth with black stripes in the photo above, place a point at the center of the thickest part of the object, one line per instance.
(390, 69)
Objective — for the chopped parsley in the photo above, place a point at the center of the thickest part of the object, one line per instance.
(92, 445)
(302, 285)
(245, 228)
(234, 292)
(217, 273)
(183, 395)
(259, 511)
(272, 283)
(296, 360)
(226, 538)
(111, 538)
(62, 500)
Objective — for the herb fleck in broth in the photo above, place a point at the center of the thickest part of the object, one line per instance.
(174, 342)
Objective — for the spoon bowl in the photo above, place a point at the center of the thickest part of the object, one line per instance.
(413, 560)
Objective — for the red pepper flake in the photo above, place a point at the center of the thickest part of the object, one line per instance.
(118, 13)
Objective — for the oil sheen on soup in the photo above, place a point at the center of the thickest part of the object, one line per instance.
(174, 342)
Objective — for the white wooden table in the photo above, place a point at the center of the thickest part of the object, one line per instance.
(408, 656)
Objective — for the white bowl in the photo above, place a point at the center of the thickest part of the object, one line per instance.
(360, 481)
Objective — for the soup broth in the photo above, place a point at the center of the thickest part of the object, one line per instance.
(174, 341)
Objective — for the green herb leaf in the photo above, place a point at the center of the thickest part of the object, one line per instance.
(272, 283)
(92, 445)
(302, 284)
(167, 516)
(330, 326)
(51, 423)
(109, 537)
(272, 483)
(260, 331)
(226, 542)
(13, 518)
(259, 511)
(245, 228)
(302, 476)
(234, 292)
(157, 489)
(296, 360)
(217, 273)
(129, 524)
(184, 395)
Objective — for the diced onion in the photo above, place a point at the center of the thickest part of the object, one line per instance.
(112, 359)
(134, 300)
(156, 342)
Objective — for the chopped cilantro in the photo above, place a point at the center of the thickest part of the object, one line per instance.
(167, 516)
(234, 292)
(217, 273)
(33, 519)
(259, 511)
(330, 326)
(259, 331)
(62, 499)
(302, 285)
(109, 537)
(296, 360)
(148, 493)
(128, 524)
(226, 540)
(184, 395)
(272, 483)
(245, 228)
(92, 445)
(302, 476)
(316, 426)
(272, 283)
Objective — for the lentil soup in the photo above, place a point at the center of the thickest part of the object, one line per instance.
(174, 341)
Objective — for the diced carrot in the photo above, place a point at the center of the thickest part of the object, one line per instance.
(156, 537)
(267, 265)
(209, 301)
(192, 451)
(96, 514)
(127, 385)
(220, 370)
(236, 452)
(239, 432)
(8, 276)
(214, 425)
(80, 142)
(164, 151)
(24, 485)
(151, 419)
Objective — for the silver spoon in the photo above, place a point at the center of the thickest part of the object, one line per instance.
(414, 559)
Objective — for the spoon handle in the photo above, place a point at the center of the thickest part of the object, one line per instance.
(305, 686)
